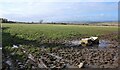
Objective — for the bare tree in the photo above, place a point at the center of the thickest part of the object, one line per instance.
(41, 21)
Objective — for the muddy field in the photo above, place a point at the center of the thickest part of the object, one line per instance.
(62, 57)
(53, 49)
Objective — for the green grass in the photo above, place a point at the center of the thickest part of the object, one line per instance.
(40, 32)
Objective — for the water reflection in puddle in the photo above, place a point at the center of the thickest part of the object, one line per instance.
(104, 43)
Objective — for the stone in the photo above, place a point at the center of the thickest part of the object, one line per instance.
(80, 65)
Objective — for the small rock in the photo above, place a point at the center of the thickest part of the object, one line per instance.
(80, 65)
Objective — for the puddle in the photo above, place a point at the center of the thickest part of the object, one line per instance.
(76, 43)
(102, 43)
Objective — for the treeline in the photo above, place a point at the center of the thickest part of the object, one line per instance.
(3, 20)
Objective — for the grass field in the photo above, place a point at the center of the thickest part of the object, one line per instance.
(40, 32)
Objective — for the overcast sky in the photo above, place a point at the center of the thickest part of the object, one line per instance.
(59, 10)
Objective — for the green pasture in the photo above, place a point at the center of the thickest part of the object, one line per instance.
(56, 32)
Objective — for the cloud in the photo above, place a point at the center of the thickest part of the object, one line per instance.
(56, 10)
(2, 12)
(27, 9)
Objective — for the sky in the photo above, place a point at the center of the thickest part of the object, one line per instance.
(59, 10)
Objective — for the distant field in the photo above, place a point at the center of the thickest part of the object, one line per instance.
(52, 32)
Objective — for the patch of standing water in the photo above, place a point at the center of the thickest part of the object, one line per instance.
(73, 43)
(104, 43)
(76, 42)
